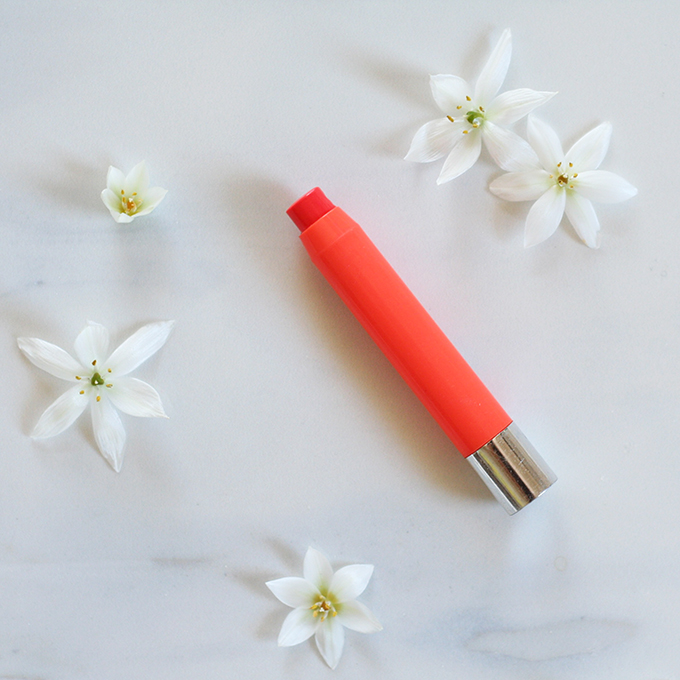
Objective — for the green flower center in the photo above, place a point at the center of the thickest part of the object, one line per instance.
(475, 117)
(97, 379)
(323, 608)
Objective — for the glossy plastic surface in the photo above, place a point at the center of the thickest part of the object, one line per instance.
(404, 331)
(310, 208)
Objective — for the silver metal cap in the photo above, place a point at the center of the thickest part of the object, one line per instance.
(512, 469)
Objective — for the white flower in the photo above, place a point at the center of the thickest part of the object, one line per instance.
(323, 603)
(560, 183)
(473, 116)
(130, 197)
(99, 381)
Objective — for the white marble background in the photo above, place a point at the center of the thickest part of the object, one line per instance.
(287, 427)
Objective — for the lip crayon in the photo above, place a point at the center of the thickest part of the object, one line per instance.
(474, 421)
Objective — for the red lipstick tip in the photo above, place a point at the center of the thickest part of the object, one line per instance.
(310, 208)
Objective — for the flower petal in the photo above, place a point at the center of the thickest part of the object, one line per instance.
(604, 186)
(115, 180)
(136, 398)
(111, 201)
(462, 157)
(582, 216)
(108, 432)
(92, 344)
(297, 627)
(590, 150)
(544, 217)
(50, 358)
(449, 92)
(153, 197)
(137, 181)
(61, 414)
(121, 217)
(294, 591)
(433, 140)
(494, 72)
(330, 640)
(508, 150)
(139, 347)
(545, 143)
(521, 186)
(317, 569)
(509, 107)
(357, 616)
(349, 582)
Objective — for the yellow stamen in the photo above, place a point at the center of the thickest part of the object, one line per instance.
(94, 363)
(109, 385)
(481, 108)
(465, 132)
(322, 608)
(451, 119)
(571, 165)
(98, 398)
(459, 107)
(468, 98)
(78, 377)
(129, 206)
(109, 370)
(82, 391)
(559, 164)
(122, 191)
(575, 175)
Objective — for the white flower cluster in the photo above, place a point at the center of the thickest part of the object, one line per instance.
(537, 171)
(324, 605)
(100, 380)
(129, 196)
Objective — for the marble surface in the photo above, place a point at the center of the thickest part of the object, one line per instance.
(287, 427)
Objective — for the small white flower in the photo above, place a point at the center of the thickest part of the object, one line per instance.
(323, 603)
(99, 381)
(560, 183)
(130, 197)
(473, 116)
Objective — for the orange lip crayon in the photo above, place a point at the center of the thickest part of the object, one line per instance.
(450, 390)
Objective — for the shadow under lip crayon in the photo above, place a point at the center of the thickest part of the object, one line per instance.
(474, 421)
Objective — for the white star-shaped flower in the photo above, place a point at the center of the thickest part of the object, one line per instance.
(476, 115)
(560, 183)
(323, 603)
(100, 380)
(130, 197)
